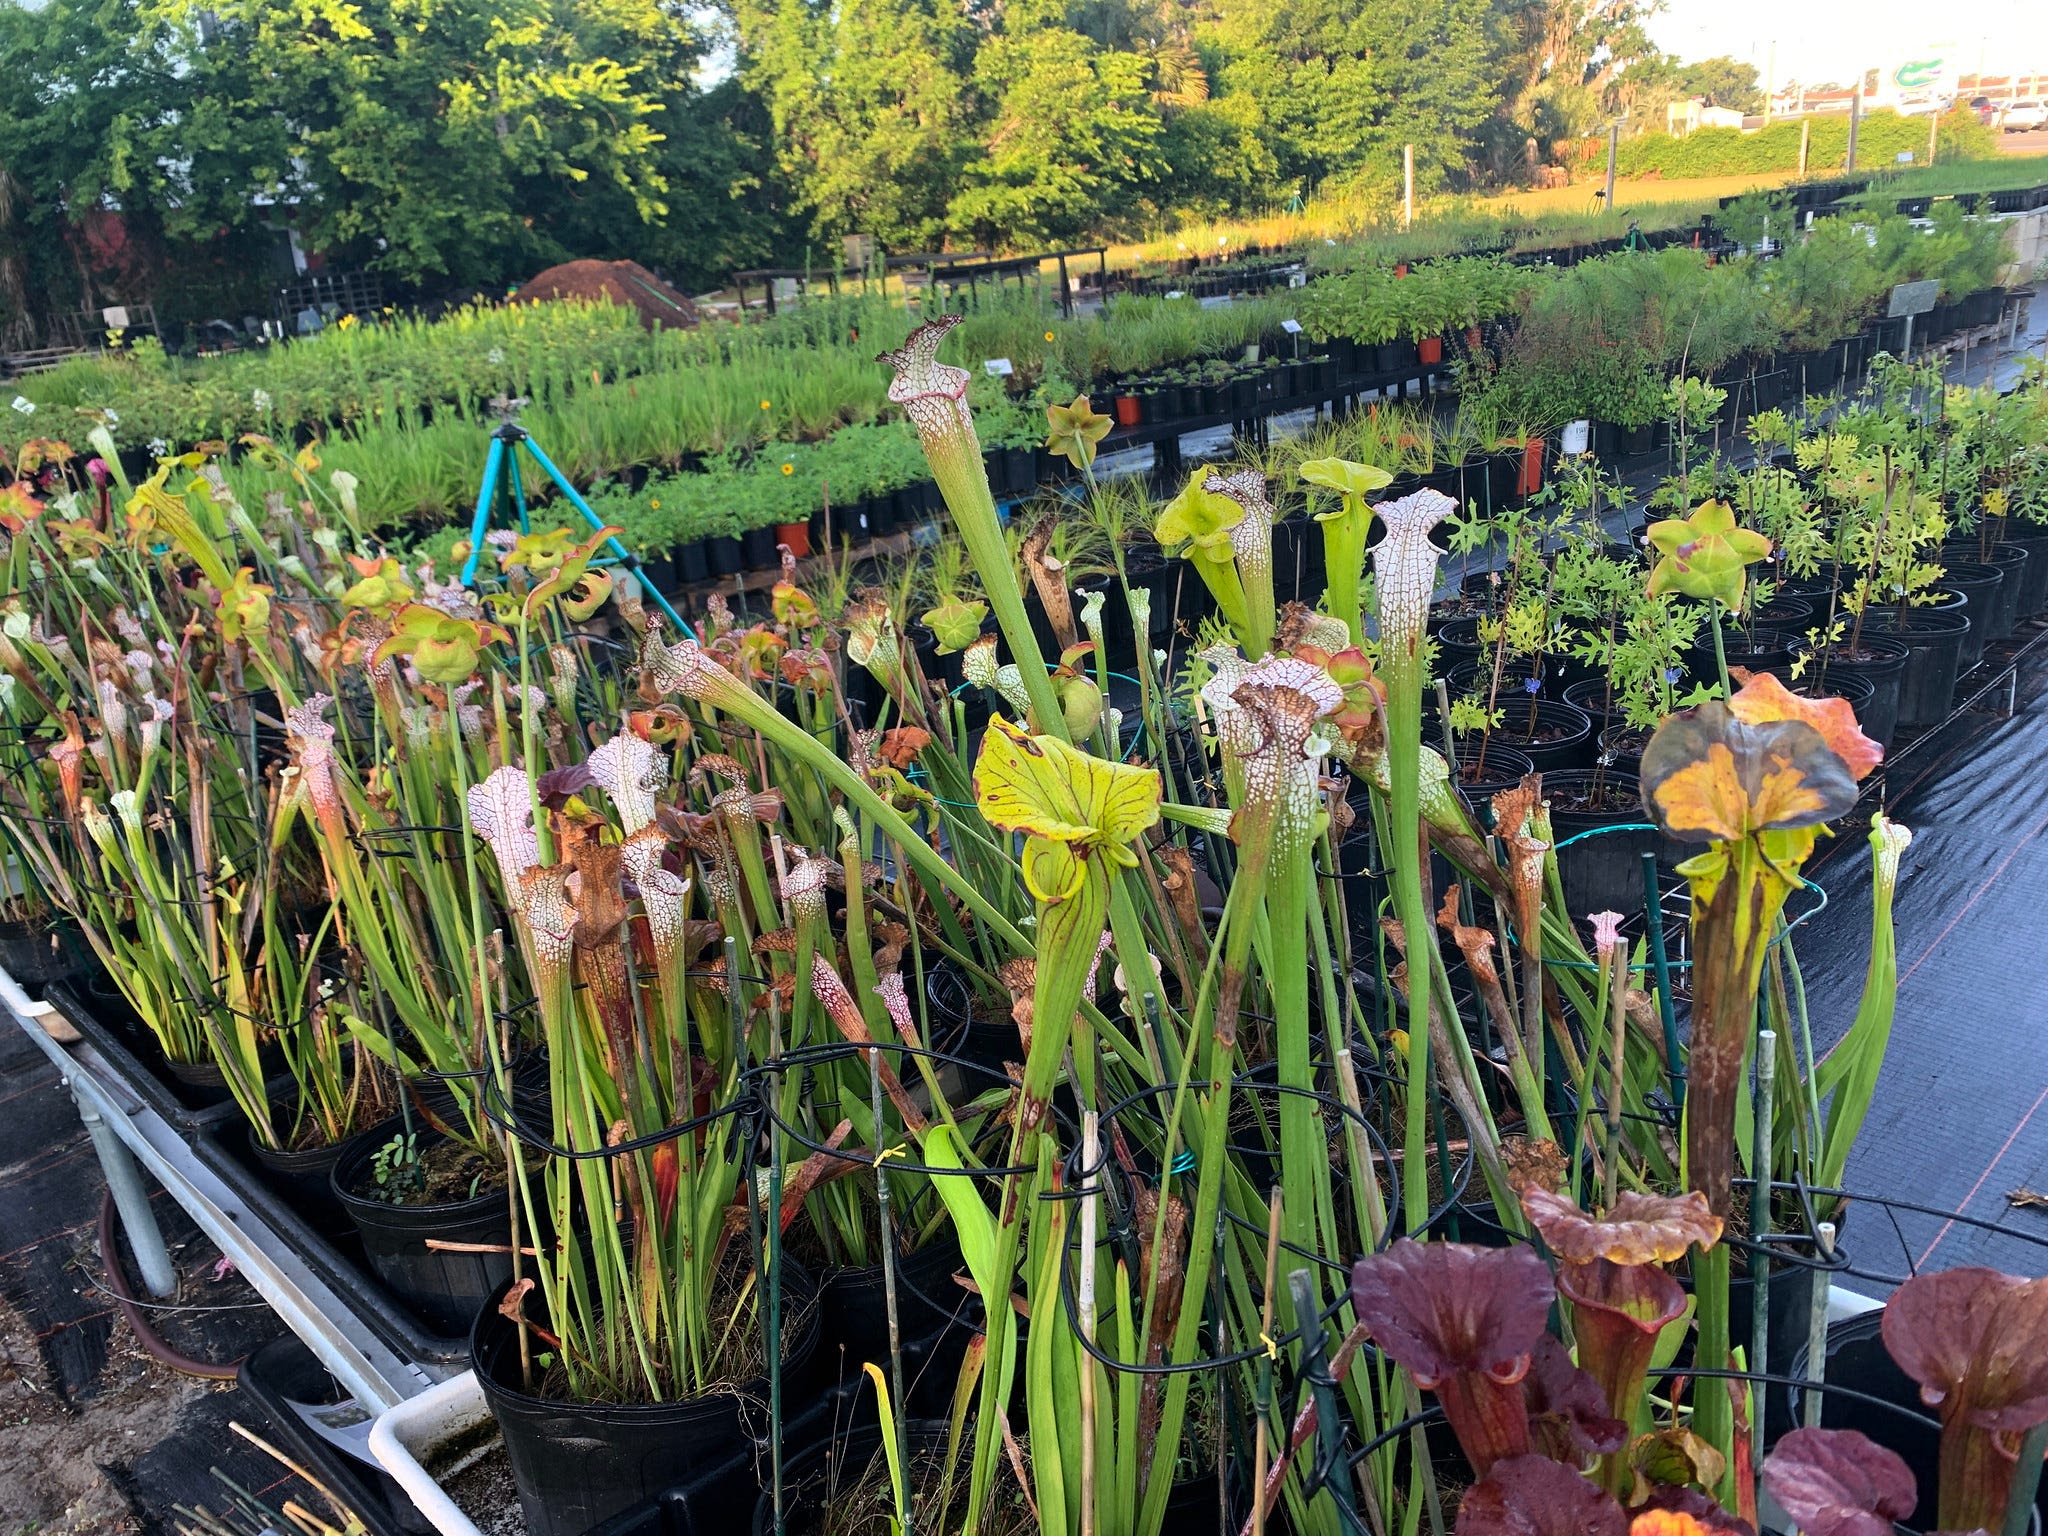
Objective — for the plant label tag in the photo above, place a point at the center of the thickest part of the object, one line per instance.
(1291, 327)
(1175, 293)
(1913, 299)
(115, 316)
(1297, 279)
(998, 367)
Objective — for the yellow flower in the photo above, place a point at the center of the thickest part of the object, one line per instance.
(655, 504)
(764, 405)
(1048, 335)
(789, 469)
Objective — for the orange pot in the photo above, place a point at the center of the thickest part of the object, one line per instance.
(1126, 410)
(1430, 349)
(797, 536)
(1531, 479)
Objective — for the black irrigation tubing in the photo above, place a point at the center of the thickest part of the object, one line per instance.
(506, 1118)
(808, 1055)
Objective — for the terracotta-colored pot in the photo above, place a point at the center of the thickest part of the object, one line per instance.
(797, 536)
(1430, 350)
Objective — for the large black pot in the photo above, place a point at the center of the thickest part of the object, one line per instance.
(306, 1178)
(445, 1288)
(1482, 776)
(854, 1318)
(1562, 736)
(38, 953)
(1457, 643)
(2033, 584)
(1899, 1419)
(1600, 845)
(1880, 662)
(1760, 650)
(1981, 587)
(2002, 615)
(1933, 638)
(576, 1464)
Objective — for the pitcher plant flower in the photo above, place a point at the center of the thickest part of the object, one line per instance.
(1073, 431)
(934, 396)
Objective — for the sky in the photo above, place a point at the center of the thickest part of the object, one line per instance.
(1821, 40)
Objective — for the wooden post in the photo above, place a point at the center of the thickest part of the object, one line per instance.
(1066, 289)
(1855, 122)
(1613, 148)
(1407, 185)
(1805, 141)
(1933, 133)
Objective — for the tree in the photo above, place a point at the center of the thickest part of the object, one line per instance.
(867, 101)
(1074, 139)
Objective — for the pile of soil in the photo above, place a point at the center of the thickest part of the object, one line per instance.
(623, 282)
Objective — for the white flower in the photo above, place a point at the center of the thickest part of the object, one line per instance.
(495, 357)
(113, 418)
(260, 398)
(159, 448)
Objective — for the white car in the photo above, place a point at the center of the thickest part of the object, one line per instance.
(2024, 117)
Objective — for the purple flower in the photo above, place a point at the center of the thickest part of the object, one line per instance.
(1672, 675)
(1532, 685)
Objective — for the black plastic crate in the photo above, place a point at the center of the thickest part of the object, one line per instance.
(299, 1397)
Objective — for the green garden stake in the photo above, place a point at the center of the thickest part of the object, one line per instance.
(1817, 1328)
(1315, 1370)
(2026, 1482)
(1760, 1229)
(886, 1227)
(1661, 968)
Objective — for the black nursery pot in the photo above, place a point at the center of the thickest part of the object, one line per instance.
(2033, 582)
(1933, 638)
(724, 555)
(1881, 664)
(1482, 777)
(444, 1288)
(306, 1178)
(930, 1310)
(1561, 736)
(38, 953)
(1899, 1419)
(2001, 616)
(692, 562)
(1603, 870)
(577, 1464)
(1981, 588)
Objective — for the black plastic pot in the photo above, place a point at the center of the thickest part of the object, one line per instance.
(2033, 583)
(288, 1381)
(307, 1178)
(1480, 779)
(2002, 615)
(444, 1288)
(1899, 1420)
(1600, 864)
(1457, 643)
(1933, 638)
(1593, 695)
(576, 1464)
(1880, 663)
(692, 562)
(1562, 736)
(853, 1319)
(38, 953)
(723, 555)
(1760, 650)
(1980, 587)
(757, 549)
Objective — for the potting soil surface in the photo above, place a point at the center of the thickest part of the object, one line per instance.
(96, 1437)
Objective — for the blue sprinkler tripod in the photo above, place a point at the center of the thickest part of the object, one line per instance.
(503, 484)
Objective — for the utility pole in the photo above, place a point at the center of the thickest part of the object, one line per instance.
(1407, 185)
(1613, 147)
(1805, 141)
(1855, 121)
(1933, 131)
(1770, 82)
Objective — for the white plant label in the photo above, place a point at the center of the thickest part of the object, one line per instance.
(998, 367)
